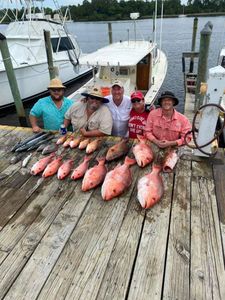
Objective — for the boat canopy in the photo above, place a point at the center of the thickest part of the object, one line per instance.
(127, 53)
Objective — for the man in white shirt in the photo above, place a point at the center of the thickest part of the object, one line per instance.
(120, 106)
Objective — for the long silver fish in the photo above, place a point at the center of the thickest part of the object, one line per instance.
(21, 143)
(35, 146)
(26, 160)
(33, 142)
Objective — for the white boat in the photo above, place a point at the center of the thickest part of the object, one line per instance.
(27, 50)
(139, 64)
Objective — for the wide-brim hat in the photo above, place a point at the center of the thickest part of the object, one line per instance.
(170, 95)
(96, 93)
(56, 83)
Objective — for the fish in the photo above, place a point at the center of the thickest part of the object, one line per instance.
(49, 149)
(83, 144)
(94, 176)
(67, 142)
(20, 144)
(75, 142)
(117, 150)
(16, 158)
(33, 142)
(40, 165)
(81, 169)
(38, 144)
(65, 169)
(52, 167)
(170, 161)
(61, 140)
(143, 152)
(150, 187)
(117, 180)
(41, 147)
(26, 160)
(93, 145)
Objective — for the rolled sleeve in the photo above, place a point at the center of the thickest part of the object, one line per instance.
(149, 128)
(68, 113)
(37, 110)
(106, 122)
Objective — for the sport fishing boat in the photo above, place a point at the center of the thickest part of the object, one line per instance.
(138, 64)
(26, 44)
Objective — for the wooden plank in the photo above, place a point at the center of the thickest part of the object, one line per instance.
(83, 262)
(5, 130)
(18, 257)
(31, 279)
(117, 276)
(219, 177)
(207, 266)
(176, 282)
(147, 278)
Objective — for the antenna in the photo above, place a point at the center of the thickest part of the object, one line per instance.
(134, 17)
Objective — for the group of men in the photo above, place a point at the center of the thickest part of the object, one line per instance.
(116, 114)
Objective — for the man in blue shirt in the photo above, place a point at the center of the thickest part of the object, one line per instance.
(52, 108)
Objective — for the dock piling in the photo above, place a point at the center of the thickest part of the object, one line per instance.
(203, 62)
(53, 72)
(12, 81)
(195, 28)
(110, 33)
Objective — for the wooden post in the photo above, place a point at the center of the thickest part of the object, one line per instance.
(48, 47)
(203, 62)
(110, 32)
(12, 81)
(195, 27)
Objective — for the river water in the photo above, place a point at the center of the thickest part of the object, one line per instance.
(176, 38)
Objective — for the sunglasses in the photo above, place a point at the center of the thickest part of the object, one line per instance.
(55, 90)
(136, 100)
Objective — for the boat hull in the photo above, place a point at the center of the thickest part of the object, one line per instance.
(34, 79)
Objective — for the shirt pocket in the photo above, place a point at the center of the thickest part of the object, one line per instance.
(93, 125)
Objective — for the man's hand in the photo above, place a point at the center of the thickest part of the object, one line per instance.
(164, 144)
(83, 131)
(36, 129)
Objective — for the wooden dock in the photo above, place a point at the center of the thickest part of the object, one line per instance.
(57, 242)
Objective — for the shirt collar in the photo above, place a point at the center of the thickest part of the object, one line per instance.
(174, 116)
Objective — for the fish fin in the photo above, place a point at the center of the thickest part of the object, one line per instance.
(141, 138)
(101, 159)
(129, 161)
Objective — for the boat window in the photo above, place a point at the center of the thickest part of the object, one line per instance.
(223, 62)
(65, 44)
(124, 71)
(145, 60)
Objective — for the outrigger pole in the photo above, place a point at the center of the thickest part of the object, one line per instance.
(161, 26)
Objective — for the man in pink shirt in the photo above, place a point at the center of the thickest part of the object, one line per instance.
(165, 126)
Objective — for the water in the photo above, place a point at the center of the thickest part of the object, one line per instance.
(176, 38)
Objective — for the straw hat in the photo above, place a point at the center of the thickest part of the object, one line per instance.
(56, 83)
(96, 93)
(170, 95)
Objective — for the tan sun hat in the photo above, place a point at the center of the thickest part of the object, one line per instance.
(117, 82)
(96, 93)
(56, 83)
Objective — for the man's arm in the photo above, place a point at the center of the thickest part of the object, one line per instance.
(91, 133)
(34, 123)
(66, 122)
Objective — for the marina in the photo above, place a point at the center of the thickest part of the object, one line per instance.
(57, 242)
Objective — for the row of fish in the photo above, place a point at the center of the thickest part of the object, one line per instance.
(115, 182)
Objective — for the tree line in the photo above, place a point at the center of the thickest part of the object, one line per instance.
(101, 10)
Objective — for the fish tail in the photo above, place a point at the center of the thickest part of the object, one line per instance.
(87, 157)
